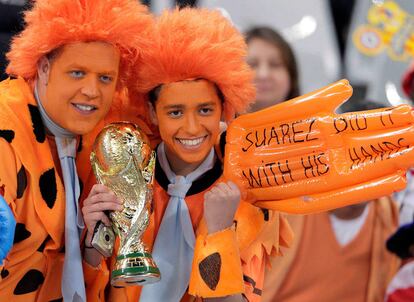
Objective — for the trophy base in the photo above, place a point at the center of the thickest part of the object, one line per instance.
(134, 269)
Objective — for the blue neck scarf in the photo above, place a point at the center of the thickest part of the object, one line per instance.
(174, 246)
(73, 285)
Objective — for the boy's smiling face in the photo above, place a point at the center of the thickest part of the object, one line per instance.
(188, 115)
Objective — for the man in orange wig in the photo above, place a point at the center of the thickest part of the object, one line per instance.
(70, 59)
(195, 76)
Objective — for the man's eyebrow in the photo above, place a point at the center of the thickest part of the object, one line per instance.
(110, 72)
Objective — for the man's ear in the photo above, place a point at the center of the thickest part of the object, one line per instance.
(43, 70)
(152, 114)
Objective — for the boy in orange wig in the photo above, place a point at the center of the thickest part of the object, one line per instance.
(206, 243)
(70, 59)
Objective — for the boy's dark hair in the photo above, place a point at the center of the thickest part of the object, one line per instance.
(155, 93)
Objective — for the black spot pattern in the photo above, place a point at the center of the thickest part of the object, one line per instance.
(47, 184)
(8, 135)
(265, 214)
(4, 273)
(38, 128)
(42, 246)
(57, 300)
(21, 182)
(21, 233)
(29, 283)
(210, 268)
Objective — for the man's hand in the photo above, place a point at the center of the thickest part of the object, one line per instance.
(99, 200)
(220, 205)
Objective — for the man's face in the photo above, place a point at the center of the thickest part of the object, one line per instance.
(78, 85)
(188, 115)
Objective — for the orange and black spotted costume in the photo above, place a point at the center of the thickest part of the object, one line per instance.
(257, 236)
(30, 180)
(31, 184)
(202, 44)
(32, 187)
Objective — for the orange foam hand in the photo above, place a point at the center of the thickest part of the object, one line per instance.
(300, 157)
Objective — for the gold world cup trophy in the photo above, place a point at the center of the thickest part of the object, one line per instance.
(123, 161)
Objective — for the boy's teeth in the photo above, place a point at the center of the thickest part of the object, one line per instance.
(85, 107)
(191, 142)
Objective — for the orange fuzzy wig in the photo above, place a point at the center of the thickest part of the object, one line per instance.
(199, 43)
(53, 23)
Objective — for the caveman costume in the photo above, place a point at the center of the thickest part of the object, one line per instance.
(202, 44)
(32, 177)
(192, 45)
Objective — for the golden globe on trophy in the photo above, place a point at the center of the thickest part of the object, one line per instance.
(123, 161)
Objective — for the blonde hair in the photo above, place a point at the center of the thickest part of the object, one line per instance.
(50, 24)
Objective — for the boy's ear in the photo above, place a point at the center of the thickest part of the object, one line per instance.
(152, 114)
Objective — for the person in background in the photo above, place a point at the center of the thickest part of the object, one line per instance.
(274, 63)
(338, 255)
(347, 242)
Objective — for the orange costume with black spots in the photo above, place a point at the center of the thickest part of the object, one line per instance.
(191, 46)
(30, 169)
(34, 191)
(258, 236)
(31, 184)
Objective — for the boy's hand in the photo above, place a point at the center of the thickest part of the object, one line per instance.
(100, 199)
(220, 205)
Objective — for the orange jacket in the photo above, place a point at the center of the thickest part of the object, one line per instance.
(258, 236)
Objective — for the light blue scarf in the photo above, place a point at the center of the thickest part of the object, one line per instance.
(73, 285)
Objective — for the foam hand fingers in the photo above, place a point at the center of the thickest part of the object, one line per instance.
(314, 203)
(372, 120)
(326, 99)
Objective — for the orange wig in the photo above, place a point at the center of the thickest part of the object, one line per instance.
(199, 43)
(53, 23)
